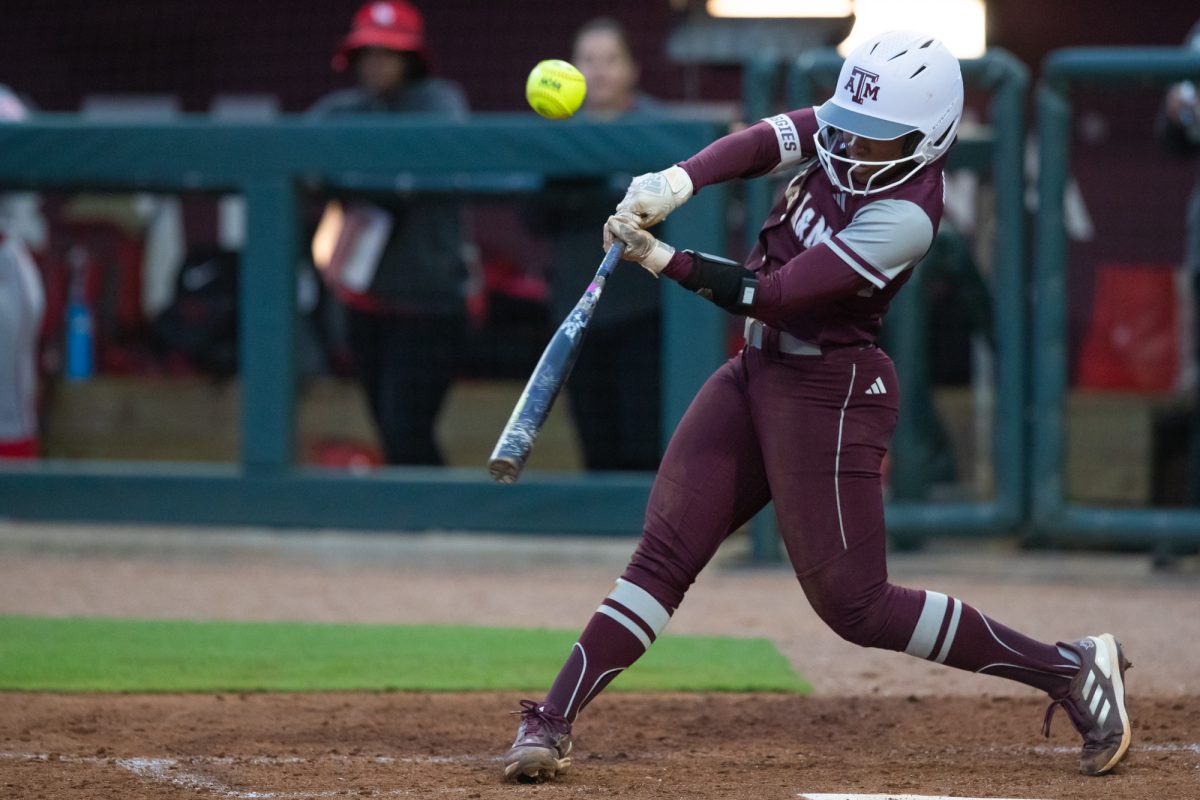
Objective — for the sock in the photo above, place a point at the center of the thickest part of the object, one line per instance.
(623, 627)
(951, 632)
(1070, 655)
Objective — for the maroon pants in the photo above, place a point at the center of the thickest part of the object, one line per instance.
(810, 434)
(802, 431)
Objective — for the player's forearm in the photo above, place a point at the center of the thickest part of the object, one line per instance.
(812, 279)
(753, 151)
(746, 154)
(726, 283)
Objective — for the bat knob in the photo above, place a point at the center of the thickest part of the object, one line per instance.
(504, 470)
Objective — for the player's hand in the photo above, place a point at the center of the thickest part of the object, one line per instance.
(640, 246)
(651, 197)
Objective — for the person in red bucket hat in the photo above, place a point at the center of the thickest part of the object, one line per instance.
(387, 24)
(387, 47)
(397, 259)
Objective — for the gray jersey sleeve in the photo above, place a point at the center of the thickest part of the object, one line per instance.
(884, 239)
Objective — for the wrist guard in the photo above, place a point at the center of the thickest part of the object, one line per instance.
(726, 283)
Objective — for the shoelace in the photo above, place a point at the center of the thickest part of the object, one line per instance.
(534, 719)
(1082, 719)
(1050, 709)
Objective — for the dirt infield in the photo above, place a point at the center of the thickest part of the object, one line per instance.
(879, 722)
(679, 746)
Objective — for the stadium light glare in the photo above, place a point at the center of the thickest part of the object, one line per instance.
(767, 9)
(961, 24)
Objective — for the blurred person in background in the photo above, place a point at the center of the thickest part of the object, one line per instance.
(1179, 130)
(22, 305)
(614, 388)
(398, 263)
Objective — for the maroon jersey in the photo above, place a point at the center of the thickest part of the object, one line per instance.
(829, 262)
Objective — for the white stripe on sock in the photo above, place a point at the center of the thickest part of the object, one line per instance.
(627, 623)
(566, 712)
(1017, 666)
(983, 619)
(924, 636)
(588, 697)
(642, 603)
(953, 629)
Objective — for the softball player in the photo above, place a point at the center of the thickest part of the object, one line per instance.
(803, 414)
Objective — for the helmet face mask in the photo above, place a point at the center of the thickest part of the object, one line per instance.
(891, 86)
(857, 176)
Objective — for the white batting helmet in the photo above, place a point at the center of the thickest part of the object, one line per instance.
(891, 86)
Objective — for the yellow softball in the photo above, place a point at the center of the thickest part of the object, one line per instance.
(555, 89)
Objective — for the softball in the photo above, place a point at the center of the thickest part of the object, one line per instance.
(555, 89)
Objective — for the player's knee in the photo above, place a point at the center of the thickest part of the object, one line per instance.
(859, 617)
(661, 570)
(855, 626)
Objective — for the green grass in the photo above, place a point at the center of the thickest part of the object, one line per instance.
(115, 655)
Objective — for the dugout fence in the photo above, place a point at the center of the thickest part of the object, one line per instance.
(1054, 517)
(500, 155)
(267, 163)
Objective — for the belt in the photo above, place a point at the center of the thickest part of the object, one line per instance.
(759, 334)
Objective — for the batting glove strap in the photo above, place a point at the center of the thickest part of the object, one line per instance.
(726, 283)
(640, 246)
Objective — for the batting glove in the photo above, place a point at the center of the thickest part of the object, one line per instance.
(651, 197)
(640, 246)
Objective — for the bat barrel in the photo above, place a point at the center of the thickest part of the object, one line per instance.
(517, 438)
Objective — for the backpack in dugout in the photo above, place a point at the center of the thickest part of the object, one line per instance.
(200, 324)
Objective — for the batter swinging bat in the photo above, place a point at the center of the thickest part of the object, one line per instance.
(518, 436)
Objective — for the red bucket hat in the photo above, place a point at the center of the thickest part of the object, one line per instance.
(391, 24)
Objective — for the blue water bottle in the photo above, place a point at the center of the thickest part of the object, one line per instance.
(80, 329)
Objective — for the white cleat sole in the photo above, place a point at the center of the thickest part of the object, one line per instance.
(1109, 644)
(535, 765)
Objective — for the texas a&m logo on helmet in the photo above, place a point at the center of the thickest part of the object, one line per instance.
(862, 84)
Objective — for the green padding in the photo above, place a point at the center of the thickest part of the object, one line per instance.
(114, 655)
(491, 152)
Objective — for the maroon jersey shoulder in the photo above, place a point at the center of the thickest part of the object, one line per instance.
(860, 249)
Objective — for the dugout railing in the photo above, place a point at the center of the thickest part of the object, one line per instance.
(994, 150)
(268, 163)
(1055, 518)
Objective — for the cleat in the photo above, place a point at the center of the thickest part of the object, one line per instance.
(542, 749)
(1095, 702)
